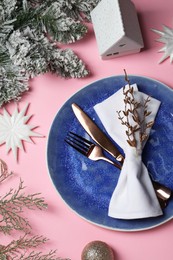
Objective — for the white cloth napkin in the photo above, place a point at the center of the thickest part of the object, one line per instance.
(134, 196)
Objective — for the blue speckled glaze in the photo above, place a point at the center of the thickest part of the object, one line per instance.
(87, 186)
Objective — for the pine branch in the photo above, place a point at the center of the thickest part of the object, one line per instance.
(79, 10)
(53, 20)
(61, 27)
(6, 229)
(36, 55)
(22, 249)
(7, 8)
(22, 243)
(14, 250)
(25, 49)
(12, 205)
(4, 173)
(67, 64)
(13, 82)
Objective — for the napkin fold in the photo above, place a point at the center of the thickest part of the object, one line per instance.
(134, 196)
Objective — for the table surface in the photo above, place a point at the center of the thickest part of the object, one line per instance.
(67, 232)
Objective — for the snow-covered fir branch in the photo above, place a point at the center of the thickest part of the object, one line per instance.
(29, 35)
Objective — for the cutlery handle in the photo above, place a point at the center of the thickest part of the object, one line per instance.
(119, 166)
(163, 193)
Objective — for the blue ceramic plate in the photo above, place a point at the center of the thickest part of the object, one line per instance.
(87, 186)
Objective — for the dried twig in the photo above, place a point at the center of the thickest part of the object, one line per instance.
(12, 205)
(4, 174)
(135, 123)
(19, 249)
(11, 208)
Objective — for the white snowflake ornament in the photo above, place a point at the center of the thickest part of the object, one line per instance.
(166, 37)
(14, 129)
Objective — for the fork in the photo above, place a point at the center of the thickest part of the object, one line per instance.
(87, 148)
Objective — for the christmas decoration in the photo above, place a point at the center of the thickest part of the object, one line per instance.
(131, 129)
(12, 205)
(124, 35)
(29, 35)
(14, 129)
(136, 123)
(16, 249)
(166, 37)
(97, 250)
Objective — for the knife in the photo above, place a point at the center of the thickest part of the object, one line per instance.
(163, 193)
(96, 133)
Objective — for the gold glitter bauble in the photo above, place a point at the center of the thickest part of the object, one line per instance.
(97, 250)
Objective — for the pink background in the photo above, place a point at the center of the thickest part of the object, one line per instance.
(68, 233)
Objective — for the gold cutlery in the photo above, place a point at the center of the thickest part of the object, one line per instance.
(163, 193)
(96, 133)
(87, 148)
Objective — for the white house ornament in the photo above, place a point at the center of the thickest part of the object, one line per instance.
(166, 37)
(116, 28)
(14, 130)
